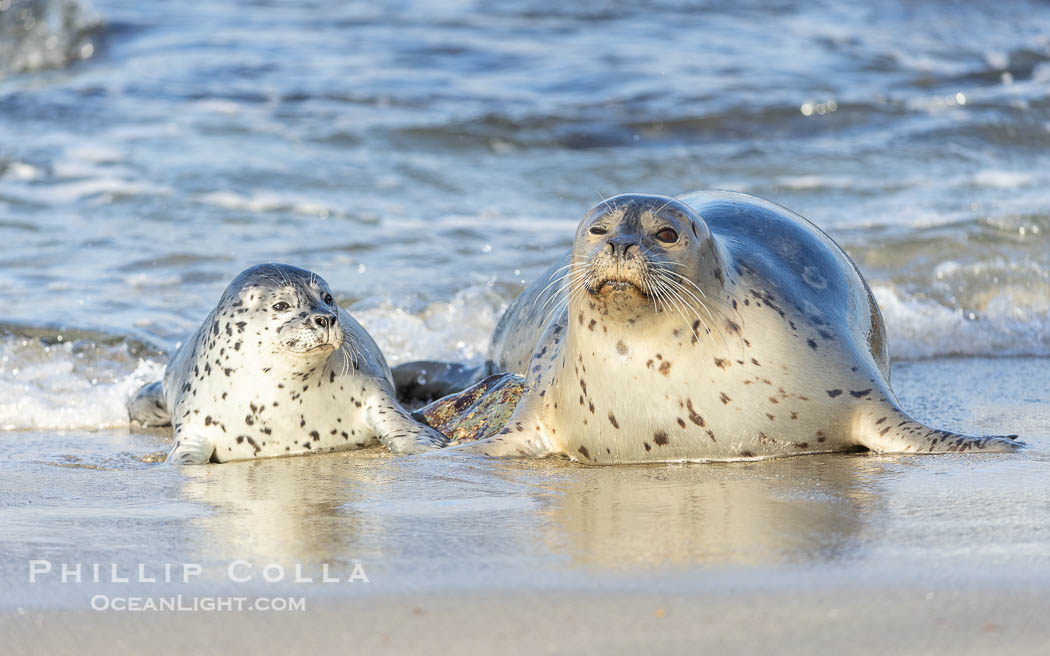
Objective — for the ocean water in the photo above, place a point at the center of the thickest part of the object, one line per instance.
(428, 158)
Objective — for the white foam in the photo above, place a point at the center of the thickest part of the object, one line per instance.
(997, 59)
(95, 153)
(924, 328)
(66, 387)
(816, 182)
(1002, 179)
(22, 171)
(141, 280)
(266, 201)
(216, 106)
(75, 191)
(458, 330)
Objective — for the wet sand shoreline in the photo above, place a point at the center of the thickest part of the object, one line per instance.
(853, 552)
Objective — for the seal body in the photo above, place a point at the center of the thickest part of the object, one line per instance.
(711, 326)
(277, 368)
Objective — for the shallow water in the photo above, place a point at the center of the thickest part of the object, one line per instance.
(458, 523)
(427, 161)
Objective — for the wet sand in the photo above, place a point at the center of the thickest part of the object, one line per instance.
(853, 553)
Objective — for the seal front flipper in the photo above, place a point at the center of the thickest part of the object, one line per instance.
(190, 450)
(148, 406)
(888, 430)
(397, 430)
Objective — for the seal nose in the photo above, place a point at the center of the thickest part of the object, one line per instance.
(619, 246)
(324, 320)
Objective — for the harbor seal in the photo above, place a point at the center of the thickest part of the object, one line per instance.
(710, 326)
(276, 369)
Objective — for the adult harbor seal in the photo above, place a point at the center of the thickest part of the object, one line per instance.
(711, 326)
(278, 368)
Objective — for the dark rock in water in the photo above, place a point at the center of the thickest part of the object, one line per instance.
(477, 412)
(419, 383)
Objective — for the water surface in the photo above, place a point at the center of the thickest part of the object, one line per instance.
(428, 158)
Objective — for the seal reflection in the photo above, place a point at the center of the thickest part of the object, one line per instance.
(284, 510)
(448, 516)
(800, 510)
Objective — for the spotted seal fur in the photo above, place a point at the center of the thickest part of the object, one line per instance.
(710, 326)
(278, 368)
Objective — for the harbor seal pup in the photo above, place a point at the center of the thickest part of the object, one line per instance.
(711, 326)
(276, 369)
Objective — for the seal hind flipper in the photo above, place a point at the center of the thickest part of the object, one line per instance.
(190, 450)
(523, 435)
(427, 380)
(895, 432)
(476, 413)
(148, 406)
(399, 432)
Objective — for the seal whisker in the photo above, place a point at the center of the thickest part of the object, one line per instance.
(653, 289)
(650, 290)
(559, 307)
(692, 285)
(679, 303)
(674, 284)
(605, 201)
(682, 277)
(679, 280)
(669, 201)
(572, 280)
(275, 281)
(346, 354)
(678, 284)
(682, 289)
(555, 279)
(575, 289)
(284, 275)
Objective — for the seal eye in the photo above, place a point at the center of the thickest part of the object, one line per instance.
(667, 235)
(328, 299)
(281, 307)
(598, 230)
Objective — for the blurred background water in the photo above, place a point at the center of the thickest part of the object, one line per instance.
(429, 157)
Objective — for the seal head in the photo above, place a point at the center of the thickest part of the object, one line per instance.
(637, 256)
(293, 304)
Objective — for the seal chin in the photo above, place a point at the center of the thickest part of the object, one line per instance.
(615, 286)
